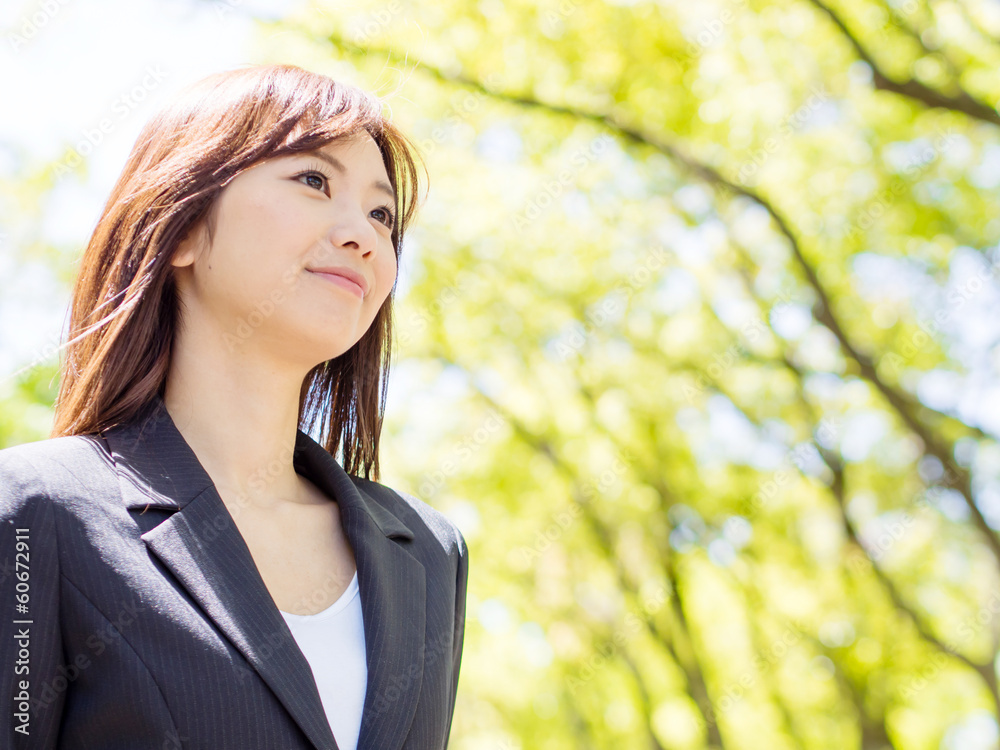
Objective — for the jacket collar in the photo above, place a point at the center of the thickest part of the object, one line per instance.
(201, 545)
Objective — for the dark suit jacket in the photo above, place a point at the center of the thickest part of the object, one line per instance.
(136, 618)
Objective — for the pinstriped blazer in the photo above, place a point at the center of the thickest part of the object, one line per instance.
(135, 617)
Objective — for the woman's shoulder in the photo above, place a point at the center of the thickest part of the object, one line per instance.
(67, 452)
(58, 467)
(410, 510)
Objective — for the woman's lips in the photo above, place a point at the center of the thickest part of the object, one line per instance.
(342, 282)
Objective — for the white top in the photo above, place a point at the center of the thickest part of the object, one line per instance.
(333, 642)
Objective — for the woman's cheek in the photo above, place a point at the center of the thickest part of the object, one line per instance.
(386, 278)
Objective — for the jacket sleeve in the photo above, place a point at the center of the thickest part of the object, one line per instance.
(33, 690)
(459, 638)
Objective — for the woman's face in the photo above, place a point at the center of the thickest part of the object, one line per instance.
(255, 284)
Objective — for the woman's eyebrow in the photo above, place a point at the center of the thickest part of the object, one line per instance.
(382, 185)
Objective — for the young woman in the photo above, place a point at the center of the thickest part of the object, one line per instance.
(183, 565)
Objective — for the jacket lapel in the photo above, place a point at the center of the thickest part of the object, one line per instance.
(204, 549)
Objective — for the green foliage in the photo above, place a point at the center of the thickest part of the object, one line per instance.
(674, 287)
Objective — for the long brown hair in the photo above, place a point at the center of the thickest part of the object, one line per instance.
(183, 158)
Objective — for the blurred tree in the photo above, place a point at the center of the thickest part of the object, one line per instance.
(29, 266)
(701, 319)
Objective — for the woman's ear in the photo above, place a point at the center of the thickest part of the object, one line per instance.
(193, 244)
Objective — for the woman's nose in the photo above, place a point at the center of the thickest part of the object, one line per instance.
(351, 228)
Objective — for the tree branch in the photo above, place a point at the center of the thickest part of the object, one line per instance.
(825, 315)
(836, 487)
(912, 89)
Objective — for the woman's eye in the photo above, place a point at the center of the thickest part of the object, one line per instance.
(317, 175)
(384, 215)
